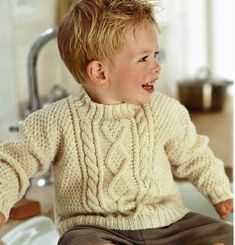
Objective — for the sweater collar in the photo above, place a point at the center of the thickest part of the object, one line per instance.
(90, 109)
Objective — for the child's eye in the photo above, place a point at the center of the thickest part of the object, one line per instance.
(143, 59)
(157, 55)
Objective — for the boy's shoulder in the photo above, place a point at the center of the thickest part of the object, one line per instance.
(51, 112)
(163, 102)
(168, 112)
(168, 109)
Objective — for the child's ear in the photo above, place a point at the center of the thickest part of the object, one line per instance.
(96, 73)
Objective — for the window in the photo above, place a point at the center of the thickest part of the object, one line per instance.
(195, 34)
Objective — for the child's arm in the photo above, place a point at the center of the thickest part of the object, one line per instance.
(29, 155)
(224, 208)
(191, 158)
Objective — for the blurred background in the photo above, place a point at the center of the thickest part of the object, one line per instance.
(196, 44)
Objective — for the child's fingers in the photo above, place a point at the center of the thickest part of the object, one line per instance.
(224, 216)
(229, 207)
(222, 211)
(224, 208)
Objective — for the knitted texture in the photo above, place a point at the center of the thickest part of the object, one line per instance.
(112, 164)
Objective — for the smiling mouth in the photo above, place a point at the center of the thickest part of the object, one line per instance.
(149, 87)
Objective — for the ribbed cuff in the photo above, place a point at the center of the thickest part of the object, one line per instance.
(220, 194)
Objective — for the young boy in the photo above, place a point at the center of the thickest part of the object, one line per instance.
(115, 146)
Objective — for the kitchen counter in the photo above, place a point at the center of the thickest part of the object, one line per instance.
(218, 126)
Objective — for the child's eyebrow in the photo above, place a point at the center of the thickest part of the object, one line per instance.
(147, 51)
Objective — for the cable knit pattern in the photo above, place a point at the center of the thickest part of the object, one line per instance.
(112, 164)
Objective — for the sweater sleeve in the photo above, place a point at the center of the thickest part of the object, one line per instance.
(26, 157)
(191, 157)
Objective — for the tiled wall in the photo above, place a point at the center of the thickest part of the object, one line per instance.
(21, 22)
(8, 97)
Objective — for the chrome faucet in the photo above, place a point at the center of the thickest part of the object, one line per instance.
(34, 100)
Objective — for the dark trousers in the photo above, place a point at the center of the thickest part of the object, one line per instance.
(192, 229)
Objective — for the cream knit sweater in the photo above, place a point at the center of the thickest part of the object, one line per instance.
(112, 164)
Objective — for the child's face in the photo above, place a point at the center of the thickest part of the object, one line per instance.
(134, 68)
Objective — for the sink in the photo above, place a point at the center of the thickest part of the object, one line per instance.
(34, 231)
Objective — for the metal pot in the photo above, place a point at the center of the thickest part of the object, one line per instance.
(203, 93)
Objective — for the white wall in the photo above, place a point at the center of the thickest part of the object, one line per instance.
(8, 97)
(21, 22)
(223, 37)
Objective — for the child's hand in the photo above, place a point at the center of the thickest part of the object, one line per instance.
(224, 208)
(2, 220)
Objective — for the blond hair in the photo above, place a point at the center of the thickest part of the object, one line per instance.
(94, 30)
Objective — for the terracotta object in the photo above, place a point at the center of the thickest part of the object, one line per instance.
(24, 209)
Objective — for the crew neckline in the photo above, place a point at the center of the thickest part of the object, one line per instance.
(93, 110)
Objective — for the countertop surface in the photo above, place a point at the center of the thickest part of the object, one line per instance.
(45, 196)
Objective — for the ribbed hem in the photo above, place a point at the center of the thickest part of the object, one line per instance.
(161, 218)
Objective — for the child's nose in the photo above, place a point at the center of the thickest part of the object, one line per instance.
(156, 67)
